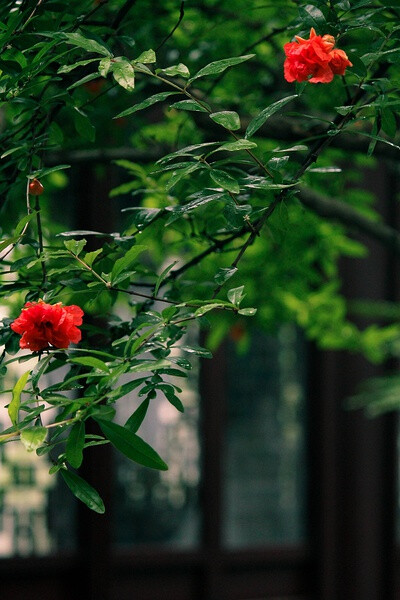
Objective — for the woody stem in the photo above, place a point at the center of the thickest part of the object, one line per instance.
(40, 239)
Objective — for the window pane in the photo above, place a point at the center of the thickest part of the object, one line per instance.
(161, 507)
(264, 463)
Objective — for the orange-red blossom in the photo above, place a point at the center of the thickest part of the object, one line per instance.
(45, 325)
(315, 57)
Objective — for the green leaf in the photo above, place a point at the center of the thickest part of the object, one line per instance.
(296, 148)
(189, 105)
(388, 122)
(378, 138)
(83, 126)
(124, 188)
(91, 256)
(79, 63)
(260, 119)
(8, 242)
(224, 180)
(198, 350)
(235, 214)
(104, 66)
(75, 246)
(218, 66)
(148, 102)
(236, 295)
(47, 171)
(77, 39)
(345, 110)
(132, 347)
(21, 224)
(168, 313)
(174, 70)
(162, 276)
(124, 74)
(206, 308)
(235, 146)
(75, 444)
(169, 393)
(90, 361)
(142, 216)
(56, 134)
(224, 274)
(82, 81)
(147, 57)
(33, 437)
(124, 263)
(39, 369)
(131, 445)
(249, 312)
(123, 277)
(201, 200)
(12, 150)
(312, 16)
(148, 365)
(13, 407)
(83, 491)
(136, 419)
(325, 170)
(186, 151)
(125, 388)
(179, 174)
(227, 118)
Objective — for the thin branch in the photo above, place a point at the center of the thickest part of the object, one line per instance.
(30, 17)
(40, 239)
(250, 240)
(171, 33)
(120, 16)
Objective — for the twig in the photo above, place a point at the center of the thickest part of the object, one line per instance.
(120, 16)
(171, 33)
(40, 239)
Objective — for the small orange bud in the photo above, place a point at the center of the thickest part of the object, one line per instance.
(35, 187)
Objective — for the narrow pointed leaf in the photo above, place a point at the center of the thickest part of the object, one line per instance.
(124, 263)
(260, 119)
(83, 491)
(189, 105)
(224, 180)
(13, 407)
(75, 443)
(163, 276)
(136, 419)
(219, 66)
(148, 102)
(131, 445)
(90, 361)
(175, 70)
(76, 39)
(227, 118)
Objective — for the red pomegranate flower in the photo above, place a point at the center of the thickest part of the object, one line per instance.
(48, 325)
(315, 59)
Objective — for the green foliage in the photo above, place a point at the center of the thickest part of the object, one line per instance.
(225, 229)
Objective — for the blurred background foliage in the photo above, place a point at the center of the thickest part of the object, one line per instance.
(291, 273)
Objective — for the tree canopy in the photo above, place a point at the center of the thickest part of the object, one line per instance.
(240, 191)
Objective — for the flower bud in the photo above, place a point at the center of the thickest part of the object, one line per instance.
(35, 187)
